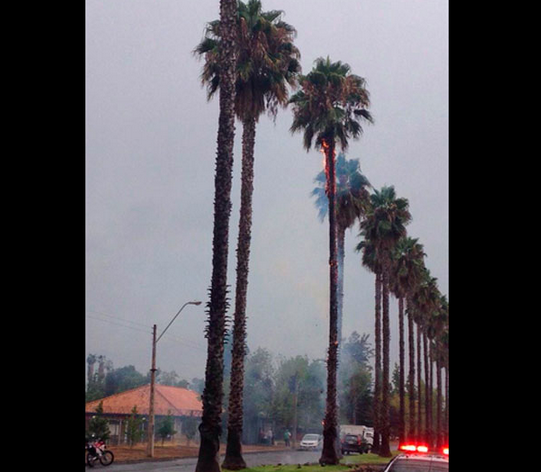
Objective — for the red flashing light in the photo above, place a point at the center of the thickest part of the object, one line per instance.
(446, 450)
(413, 448)
(407, 447)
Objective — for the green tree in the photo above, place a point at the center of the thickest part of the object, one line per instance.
(166, 427)
(134, 429)
(98, 424)
(355, 380)
(259, 390)
(171, 378)
(267, 61)
(329, 107)
(210, 427)
(122, 379)
(299, 402)
(190, 427)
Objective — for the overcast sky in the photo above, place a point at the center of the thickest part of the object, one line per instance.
(150, 159)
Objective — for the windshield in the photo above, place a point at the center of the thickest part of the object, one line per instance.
(311, 437)
(412, 465)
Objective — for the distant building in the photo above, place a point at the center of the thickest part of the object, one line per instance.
(178, 402)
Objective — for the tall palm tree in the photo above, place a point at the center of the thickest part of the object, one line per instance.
(426, 300)
(370, 261)
(440, 326)
(407, 266)
(352, 198)
(267, 63)
(210, 427)
(330, 107)
(384, 226)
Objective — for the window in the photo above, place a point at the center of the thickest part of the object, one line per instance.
(413, 465)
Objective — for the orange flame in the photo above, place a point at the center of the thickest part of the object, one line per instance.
(324, 147)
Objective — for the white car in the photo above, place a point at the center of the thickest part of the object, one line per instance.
(311, 442)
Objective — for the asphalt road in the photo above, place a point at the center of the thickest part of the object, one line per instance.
(188, 465)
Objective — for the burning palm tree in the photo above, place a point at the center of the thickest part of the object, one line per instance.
(330, 107)
(352, 198)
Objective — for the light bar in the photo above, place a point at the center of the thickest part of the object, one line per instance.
(446, 451)
(408, 447)
(413, 448)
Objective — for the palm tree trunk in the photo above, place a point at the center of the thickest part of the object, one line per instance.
(210, 428)
(233, 455)
(431, 395)
(341, 237)
(411, 381)
(427, 390)
(377, 367)
(385, 450)
(447, 403)
(402, 408)
(438, 404)
(329, 454)
(420, 432)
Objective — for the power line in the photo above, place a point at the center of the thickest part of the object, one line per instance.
(119, 322)
(120, 319)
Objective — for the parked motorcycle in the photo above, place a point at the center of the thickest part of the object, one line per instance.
(96, 451)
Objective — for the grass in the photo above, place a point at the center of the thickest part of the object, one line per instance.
(345, 464)
(366, 459)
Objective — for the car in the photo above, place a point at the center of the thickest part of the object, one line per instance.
(419, 459)
(311, 442)
(353, 443)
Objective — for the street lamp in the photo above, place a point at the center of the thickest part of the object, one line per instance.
(153, 379)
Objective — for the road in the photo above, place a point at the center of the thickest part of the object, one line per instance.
(188, 465)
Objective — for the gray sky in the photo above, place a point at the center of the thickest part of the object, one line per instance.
(150, 157)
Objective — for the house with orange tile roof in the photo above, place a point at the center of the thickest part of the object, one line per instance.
(175, 401)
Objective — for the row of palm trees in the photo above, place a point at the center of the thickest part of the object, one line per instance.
(397, 260)
(252, 61)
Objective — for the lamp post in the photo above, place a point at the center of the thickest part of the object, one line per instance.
(153, 380)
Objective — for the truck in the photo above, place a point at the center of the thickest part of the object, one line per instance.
(365, 433)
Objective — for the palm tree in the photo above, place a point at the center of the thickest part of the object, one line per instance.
(408, 263)
(370, 261)
(267, 62)
(440, 327)
(330, 107)
(210, 427)
(384, 226)
(352, 198)
(425, 300)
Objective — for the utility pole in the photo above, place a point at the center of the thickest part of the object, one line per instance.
(150, 448)
(152, 388)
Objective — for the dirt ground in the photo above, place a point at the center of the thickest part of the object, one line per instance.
(172, 451)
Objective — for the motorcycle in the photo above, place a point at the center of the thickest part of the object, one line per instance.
(96, 451)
